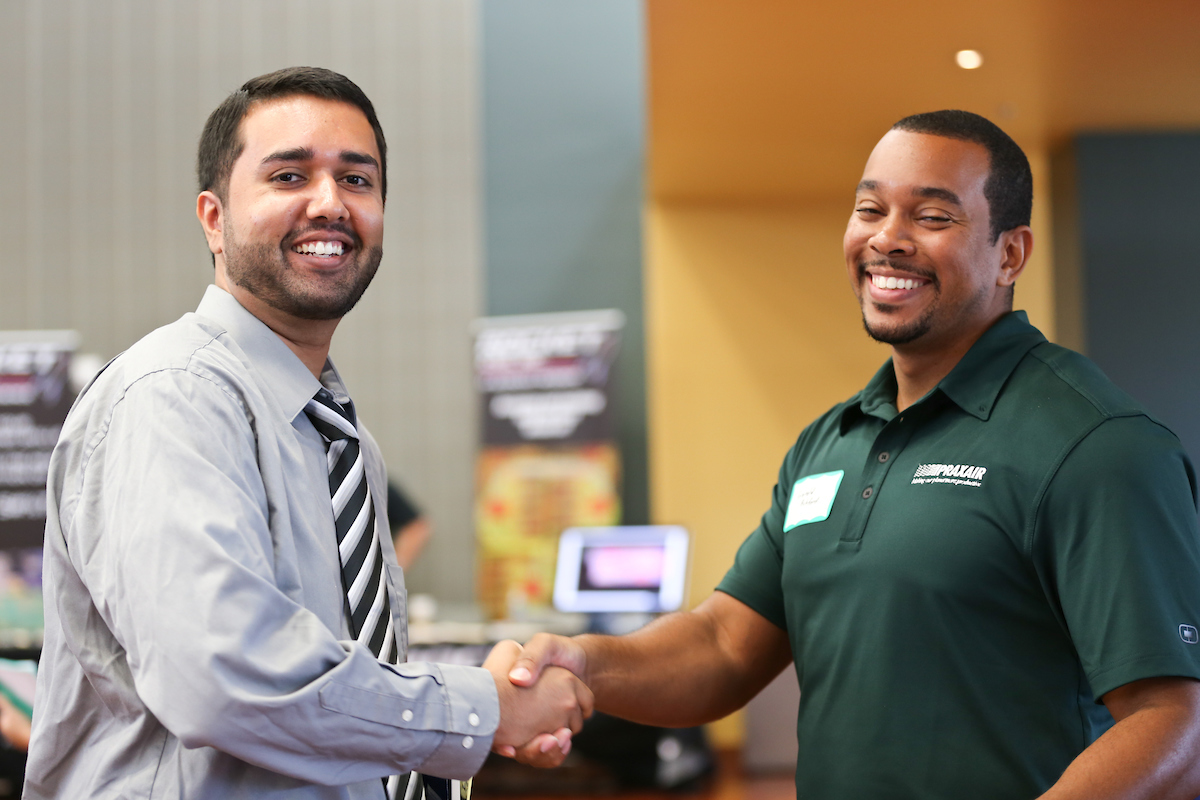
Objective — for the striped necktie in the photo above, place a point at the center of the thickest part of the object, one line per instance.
(362, 567)
(354, 520)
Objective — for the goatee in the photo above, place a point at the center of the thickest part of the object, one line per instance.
(263, 270)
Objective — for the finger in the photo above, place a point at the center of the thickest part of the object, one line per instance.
(543, 751)
(506, 750)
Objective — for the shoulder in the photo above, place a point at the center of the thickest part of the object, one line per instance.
(192, 345)
(1076, 376)
(185, 368)
(1056, 398)
(1109, 441)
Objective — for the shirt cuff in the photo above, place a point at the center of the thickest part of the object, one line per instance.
(474, 716)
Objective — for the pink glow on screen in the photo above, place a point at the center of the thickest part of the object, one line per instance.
(624, 567)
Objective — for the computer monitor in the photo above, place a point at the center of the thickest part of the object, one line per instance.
(630, 568)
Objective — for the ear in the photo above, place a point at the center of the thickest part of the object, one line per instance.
(211, 214)
(1015, 245)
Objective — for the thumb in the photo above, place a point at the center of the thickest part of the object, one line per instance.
(546, 650)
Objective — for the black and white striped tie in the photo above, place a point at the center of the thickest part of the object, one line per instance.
(354, 520)
(362, 567)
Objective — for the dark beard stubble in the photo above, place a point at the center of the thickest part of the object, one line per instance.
(902, 334)
(262, 270)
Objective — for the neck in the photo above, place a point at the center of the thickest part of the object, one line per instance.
(918, 372)
(308, 339)
(312, 354)
(921, 365)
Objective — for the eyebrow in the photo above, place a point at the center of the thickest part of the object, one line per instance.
(920, 191)
(940, 194)
(307, 154)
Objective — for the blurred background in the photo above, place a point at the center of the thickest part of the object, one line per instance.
(689, 163)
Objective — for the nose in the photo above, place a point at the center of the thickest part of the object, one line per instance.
(325, 201)
(892, 237)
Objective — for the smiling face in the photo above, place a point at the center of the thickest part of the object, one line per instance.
(918, 246)
(299, 234)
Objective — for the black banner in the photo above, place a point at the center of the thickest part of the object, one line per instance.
(35, 396)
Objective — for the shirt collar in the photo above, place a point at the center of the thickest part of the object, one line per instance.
(284, 375)
(974, 383)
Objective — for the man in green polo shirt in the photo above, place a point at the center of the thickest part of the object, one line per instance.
(977, 563)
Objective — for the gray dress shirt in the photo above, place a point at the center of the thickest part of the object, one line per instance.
(196, 637)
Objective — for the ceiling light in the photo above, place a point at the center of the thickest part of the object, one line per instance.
(969, 59)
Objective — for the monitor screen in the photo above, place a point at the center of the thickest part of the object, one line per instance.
(628, 568)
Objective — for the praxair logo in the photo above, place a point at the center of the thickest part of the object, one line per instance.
(958, 474)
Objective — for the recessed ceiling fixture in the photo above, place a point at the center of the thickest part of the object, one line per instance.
(969, 59)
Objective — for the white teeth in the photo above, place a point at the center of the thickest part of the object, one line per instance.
(320, 248)
(892, 282)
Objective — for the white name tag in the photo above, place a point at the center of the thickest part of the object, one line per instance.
(812, 498)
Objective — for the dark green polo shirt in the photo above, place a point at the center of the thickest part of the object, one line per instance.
(960, 581)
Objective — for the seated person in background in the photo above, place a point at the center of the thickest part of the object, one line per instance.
(410, 529)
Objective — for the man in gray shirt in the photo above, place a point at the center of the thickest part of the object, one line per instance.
(225, 617)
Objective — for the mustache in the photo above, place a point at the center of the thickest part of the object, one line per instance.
(896, 265)
(328, 227)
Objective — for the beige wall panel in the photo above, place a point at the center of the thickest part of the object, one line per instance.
(752, 332)
(104, 101)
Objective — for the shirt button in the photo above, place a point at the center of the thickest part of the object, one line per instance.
(883, 457)
(407, 715)
(867, 492)
(473, 719)
(468, 742)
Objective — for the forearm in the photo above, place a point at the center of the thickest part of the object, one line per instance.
(663, 677)
(686, 668)
(1152, 752)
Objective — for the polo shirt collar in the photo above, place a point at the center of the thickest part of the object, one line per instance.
(284, 375)
(974, 383)
(976, 380)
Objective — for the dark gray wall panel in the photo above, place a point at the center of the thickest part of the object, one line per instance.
(564, 127)
(1139, 216)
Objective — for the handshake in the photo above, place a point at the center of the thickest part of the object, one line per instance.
(543, 701)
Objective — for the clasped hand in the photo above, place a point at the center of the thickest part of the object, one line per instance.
(539, 715)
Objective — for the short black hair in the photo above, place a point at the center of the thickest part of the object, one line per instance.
(1009, 186)
(221, 144)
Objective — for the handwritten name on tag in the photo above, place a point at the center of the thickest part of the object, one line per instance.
(812, 499)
